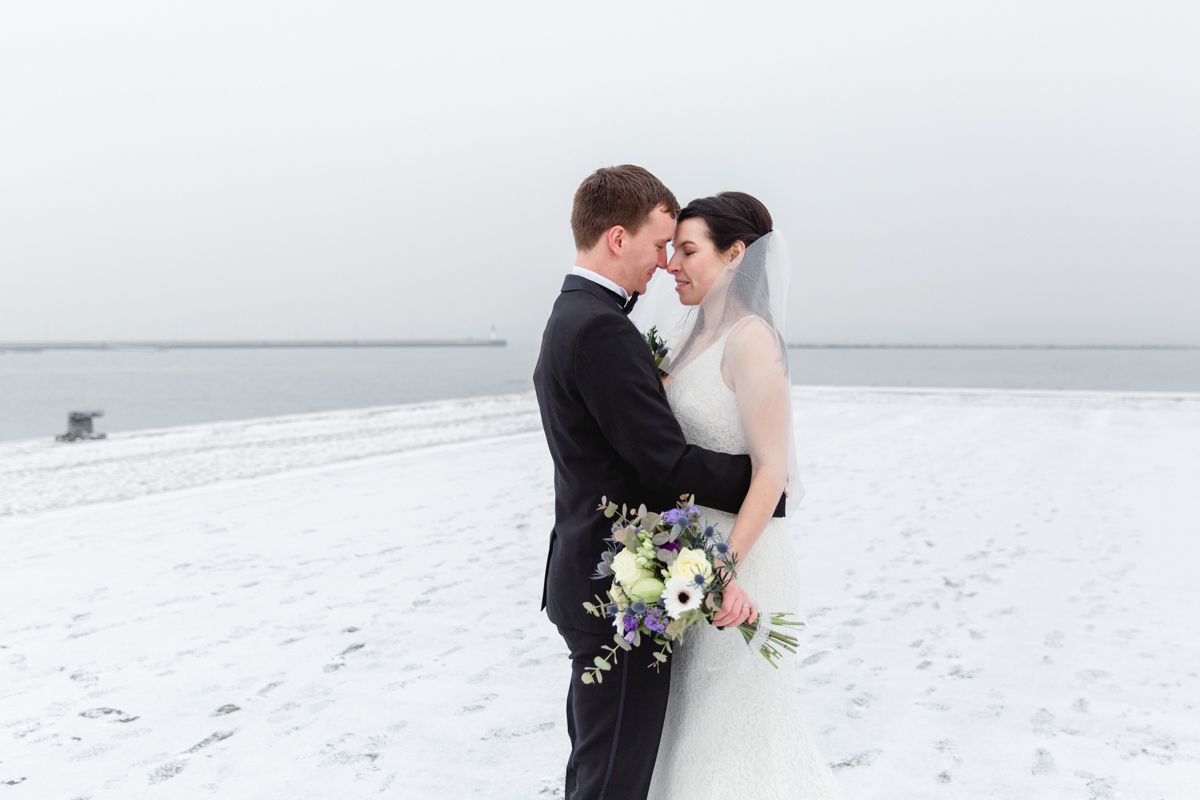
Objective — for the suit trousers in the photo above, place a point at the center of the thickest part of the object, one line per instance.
(615, 726)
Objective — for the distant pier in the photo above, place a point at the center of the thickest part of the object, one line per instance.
(248, 344)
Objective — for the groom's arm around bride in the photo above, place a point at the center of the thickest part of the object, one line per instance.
(611, 433)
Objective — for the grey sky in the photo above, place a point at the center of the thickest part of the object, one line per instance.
(945, 172)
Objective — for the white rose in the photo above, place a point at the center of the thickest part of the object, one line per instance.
(626, 570)
(690, 562)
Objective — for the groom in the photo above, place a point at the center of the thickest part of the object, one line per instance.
(611, 433)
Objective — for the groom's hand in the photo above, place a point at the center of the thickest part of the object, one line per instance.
(736, 607)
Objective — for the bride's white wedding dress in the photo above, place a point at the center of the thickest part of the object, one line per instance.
(733, 727)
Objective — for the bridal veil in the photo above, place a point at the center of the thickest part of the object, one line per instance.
(744, 312)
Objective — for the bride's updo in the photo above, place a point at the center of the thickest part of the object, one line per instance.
(730, 217)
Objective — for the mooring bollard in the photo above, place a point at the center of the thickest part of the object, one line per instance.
(79, 427)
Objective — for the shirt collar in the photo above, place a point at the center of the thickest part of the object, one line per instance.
(596, 277)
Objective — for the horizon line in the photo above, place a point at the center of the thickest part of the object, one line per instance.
(808, 346)
(245, 344)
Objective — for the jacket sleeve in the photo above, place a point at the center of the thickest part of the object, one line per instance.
(617, 379)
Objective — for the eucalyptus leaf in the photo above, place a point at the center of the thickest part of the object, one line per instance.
(586, 677)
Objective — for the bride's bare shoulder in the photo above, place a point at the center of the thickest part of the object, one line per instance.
(751, 335)
(753, 348)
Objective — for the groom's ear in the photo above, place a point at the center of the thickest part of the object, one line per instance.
(615, 239)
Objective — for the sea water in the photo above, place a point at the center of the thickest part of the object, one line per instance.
(160, 388)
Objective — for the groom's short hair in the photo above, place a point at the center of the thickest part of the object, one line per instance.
(610, 196)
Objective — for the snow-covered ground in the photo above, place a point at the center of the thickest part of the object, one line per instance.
(999, 590)
(42, 474)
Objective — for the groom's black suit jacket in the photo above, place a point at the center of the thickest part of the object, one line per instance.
(611, 433)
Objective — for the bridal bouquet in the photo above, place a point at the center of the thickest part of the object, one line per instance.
(668, 572)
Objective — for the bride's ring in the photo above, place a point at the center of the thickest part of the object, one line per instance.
(745, 605)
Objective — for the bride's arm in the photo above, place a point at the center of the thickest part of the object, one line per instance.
(753, 367)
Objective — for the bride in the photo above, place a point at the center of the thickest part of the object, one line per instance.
(733, 726)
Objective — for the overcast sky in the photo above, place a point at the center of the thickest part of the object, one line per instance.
(1014, 172)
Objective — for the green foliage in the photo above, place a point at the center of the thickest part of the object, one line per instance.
(658, 347)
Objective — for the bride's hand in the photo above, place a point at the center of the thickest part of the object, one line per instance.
(736, 607)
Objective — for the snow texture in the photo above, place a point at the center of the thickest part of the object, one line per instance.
(998, 586)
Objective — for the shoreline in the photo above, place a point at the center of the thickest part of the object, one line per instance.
(43, 475)
(246, 344)
(847, 392)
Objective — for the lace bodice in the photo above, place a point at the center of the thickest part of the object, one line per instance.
(727, 705)
(705, 406)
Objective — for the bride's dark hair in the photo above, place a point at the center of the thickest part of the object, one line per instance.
(733, 217)
(730, 217)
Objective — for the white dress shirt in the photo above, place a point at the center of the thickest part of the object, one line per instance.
(596, 277)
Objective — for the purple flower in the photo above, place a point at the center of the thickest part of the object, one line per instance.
(674, 516)
(672, 546)
(631, 625)
(631, 637)
(655, 621)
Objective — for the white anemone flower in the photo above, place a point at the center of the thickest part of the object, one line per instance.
(682, 595)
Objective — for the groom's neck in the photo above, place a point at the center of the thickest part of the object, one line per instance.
(597, 263)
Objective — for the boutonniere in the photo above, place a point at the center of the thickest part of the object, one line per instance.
(658, 347)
